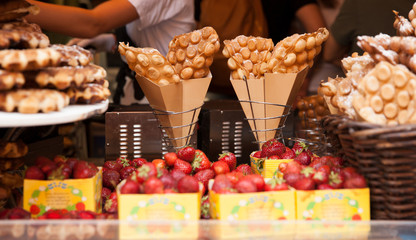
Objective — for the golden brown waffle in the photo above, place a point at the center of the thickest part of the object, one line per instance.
(21, 35)
(402, 25)
(13, 149)
(89, 93)
(73, 55)
(149, 63)
(386, 95)
(13, 9)
(357, 63)
(193, 53)
(11, 164)
(29, 59)
(248, 56)
(9, 80)
(33, 100)
(65, 77)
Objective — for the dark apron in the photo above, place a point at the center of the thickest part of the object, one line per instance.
(122, 36)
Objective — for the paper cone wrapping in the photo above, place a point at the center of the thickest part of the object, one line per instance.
(176, 98)
(276, 88)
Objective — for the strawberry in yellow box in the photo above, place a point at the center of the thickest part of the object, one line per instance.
(62, 183)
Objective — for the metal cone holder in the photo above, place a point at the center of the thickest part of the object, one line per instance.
(170, 137)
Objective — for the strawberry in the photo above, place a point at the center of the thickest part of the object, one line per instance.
(308, 172)
(304, 184)
(113, 165)
(299, 147)
(153, 185)
(18, 213)
(336, 180)
(337, 161)
(289, 154)
(257, 154)
(324, 186)
(348, 172)
(83, 170)
(272, 147)
(41, 160)
(177, 174)
(229, 158)
(276, 184)
(320, 177)
(34, 209)
(204, 176)
(282, 167)
(258, 180)
(170, 191)
(63, 171)
(168, 181)
(138, 162)
(147, 170)
(123, 161)
(130, 187)
(205, 208)
(187, 153)
(111, 205)
(125, 172)
(221, 182)
(34, 172)
(170, 158)
(111, 178)
(188, 184)
(291, 178)
(201, 161)
(234, 176)
(105, 193)
(274, 157)
(220, 167)
(159, 163)
(80, 206)
(86, 215)
(292, 167)
(245, 185)
(72, 162)
(303, 158)
(245, 169)
(357, 181)
(53, 214)
(47, 167)
(59, 159)
(183, 166)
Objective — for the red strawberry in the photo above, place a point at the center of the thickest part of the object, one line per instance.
(59, 159)
(337, 161)
(282, 167)
(87, 215)
(308, 172)
(159, 163)
(245, 185)
(205, 208)
(47, 167)
(18, 213)
(111, 205)
(220, 167)
(221, 182)
(41, 160)
(34, 172)
(168, 181)
(80, 206)
(53, 214)
(325, 186)
(105, 193)
(274, 157)
(147, 170)
(170, 158)
(187, 154)
(258, 180)
(257, 154)
(271, 148)
(292, 167)
(304, 184)
(276, 184)
(113, 165)
(245, 169)
(188, 184)
(153, 185)
(72, 162)
(348, 172)
(320, 177)
(130, 187)
(299, 147)
(292, 178)
(63, 171)
(83, 170)
(111, 178)
(177, 174)
(357, 181)
(303, 158)
(34, 209)
(204, 176)
(229, 158)
(138, 162)
(336, 180)
(170, 191)
(183, 166)
(289, 154)
(123, 161)
(125, 172)
(201, 161)
(234, 176)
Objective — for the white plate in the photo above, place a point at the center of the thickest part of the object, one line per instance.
(71, 113)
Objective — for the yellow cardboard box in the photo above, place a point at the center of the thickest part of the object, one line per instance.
(253, 230)
(181, 206)
(159, 229)
(339, 204)
(266, 167)
(253, 206)
(333, 229)
(71, 194)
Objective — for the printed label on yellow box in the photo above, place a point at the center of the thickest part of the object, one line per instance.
(266, 167)
(251, 206)
(72, 194)
(339, 204)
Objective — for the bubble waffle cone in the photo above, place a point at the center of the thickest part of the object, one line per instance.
(402, 25)
(386, 95)
(193, 53)
(149, 63)
(295, 52)
(248, 56)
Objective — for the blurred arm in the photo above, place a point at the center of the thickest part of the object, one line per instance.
(311, 17)
(333, 51)
(83, 23)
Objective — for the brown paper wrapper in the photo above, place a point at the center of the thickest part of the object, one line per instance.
(176, 106)
(275, 88)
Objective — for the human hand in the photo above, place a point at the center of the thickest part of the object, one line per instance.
(105, 42)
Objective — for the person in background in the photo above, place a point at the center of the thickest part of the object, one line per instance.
(141, 23)
(357, 18)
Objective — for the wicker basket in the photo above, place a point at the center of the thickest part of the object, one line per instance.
(386, 156)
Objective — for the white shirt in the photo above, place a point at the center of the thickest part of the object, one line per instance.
(160, 21)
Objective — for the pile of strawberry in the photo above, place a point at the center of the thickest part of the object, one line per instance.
(14, 214)
(74, 214)
(60, 168)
